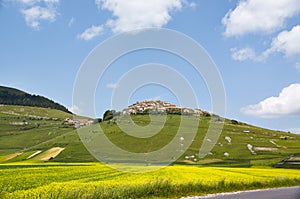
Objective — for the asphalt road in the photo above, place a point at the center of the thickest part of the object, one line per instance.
(281, 193)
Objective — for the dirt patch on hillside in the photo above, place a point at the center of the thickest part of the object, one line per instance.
(12, 156)
(50, 154)
(188, 161)
(207, 161)
(34, 154)
(265, 149)
(297, 159)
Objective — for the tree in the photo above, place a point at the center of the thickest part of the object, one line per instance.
(11, 96)
(234, 122)
(108, 115)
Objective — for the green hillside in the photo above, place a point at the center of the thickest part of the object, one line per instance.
(46, 132)
(268, 147)
(12, 96)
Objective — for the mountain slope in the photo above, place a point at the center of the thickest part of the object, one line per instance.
(239, 144)
(12, 96)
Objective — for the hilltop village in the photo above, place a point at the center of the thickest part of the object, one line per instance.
(158, 106)
(141, 108)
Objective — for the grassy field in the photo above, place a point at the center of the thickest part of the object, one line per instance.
(98, 181)
(46, 130)
(275, 145)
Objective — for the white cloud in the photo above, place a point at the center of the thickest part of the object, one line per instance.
(29, 2)
(35, 14)
(193, 5)
(90, 33)
(136, 14)
(287, 42)
(243, 54)
(287, 103)
(51, 1)
(263, 16)
(71, 22)
(32, 2)
(112, 85)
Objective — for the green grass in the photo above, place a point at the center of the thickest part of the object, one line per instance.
(43, 134)
(99, 181)
(240, 156)
(45, 130)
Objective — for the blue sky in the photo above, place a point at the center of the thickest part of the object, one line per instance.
(254, 43)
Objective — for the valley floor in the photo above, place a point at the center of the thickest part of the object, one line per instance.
(95, 180)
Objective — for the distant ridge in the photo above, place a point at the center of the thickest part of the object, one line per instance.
(12, 96)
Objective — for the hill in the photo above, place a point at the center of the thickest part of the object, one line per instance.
(38, 133)
(47, 137)
(239, 145)
(12, 96)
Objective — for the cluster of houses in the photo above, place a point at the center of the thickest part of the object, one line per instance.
(77, 123)
(159, 106)
(154, 105)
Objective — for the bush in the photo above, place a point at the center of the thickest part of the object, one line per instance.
(108, 115)
(234, 122)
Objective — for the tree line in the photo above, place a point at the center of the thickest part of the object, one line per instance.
(11, 96)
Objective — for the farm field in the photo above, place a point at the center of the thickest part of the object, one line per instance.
(95, 180)
(46, 158)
